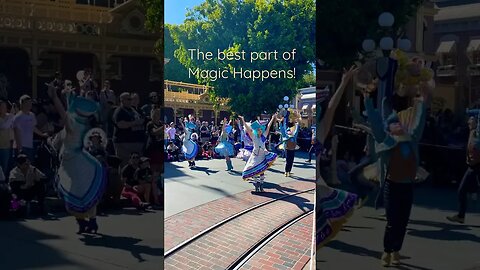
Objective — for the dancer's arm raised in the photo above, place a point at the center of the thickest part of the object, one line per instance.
(374, 118)
(247, 128)
(326, 122)
(270, 125)
(52, 93)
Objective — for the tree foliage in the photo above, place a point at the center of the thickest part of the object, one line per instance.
(250, 25)
(343, 25)
(154, 21)
(174, 70)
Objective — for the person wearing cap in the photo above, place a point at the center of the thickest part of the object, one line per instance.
(225, 147)
(260, 159)
(6, 131)
(397, 147)
(127, 124)
(25, 125)
(26, 182)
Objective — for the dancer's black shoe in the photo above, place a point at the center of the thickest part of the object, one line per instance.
(92, 226)
(82, 226)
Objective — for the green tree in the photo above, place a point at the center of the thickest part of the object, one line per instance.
(174, 70)
(250, 25)
(343, 25)
(154, 23)
(308, 80)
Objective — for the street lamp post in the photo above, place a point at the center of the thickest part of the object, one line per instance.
(386, 66)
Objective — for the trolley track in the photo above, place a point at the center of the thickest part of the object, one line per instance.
(247, 256)
(228, 244)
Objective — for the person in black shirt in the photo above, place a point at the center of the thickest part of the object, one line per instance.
(131, 189)
(155, 130)
(127, 122)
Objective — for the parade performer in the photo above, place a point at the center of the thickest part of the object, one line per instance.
(313, 144)
(470, 178)
(247, 149)
(289, 130)
(261, 159)
(333, 206)
(190, 147)
(80, 191)
(225, 148)
(397, 147)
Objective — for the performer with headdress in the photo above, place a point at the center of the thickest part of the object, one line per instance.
(80, 191)
(470, 178)
(289, 129)
(247, 149)
(333, 206)
(225, 148)
(261, 159)
(397, 147)
(190, 147)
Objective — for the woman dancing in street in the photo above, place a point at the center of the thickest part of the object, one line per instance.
(333, 206)
(261, 159)
(190, 147)
(80, 191)
(225, 148)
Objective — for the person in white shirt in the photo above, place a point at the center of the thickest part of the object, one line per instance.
(25, 125)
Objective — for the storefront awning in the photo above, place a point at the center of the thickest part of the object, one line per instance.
(309, 96)
(304, 107)
(314, 106)
(474, 45)
(446, 47)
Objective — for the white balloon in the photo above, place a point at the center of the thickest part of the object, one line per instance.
(285, 98)
(291, 106)
(386, 43)
(280, 106)
(368, 45)
(286, 106)
(386, 19)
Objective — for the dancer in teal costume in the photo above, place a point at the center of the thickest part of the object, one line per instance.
(82, 178)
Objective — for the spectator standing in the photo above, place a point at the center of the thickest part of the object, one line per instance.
(127, 124)
(153, 148)
(24, 125)
(154, 102)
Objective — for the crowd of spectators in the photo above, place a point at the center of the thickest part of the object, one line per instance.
(127, 141)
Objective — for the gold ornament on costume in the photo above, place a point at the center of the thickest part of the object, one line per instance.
(412, 75)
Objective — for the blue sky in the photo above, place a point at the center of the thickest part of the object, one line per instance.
(175, 10)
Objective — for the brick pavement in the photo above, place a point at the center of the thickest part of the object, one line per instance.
(222, 246)
(187, 224)
(291, 249)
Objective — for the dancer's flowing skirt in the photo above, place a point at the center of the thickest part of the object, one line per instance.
(225, 149)
(333, 208)
(190, 149)
(82, 181)
(245, 153)
(258, 164)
